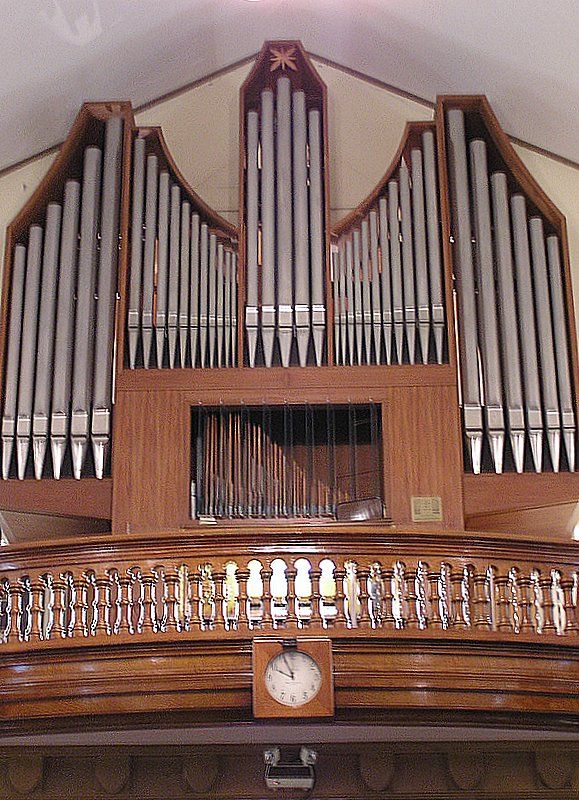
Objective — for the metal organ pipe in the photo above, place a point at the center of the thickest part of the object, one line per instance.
(63, 345)
(284, 228)
(59, 371)
(514, 344)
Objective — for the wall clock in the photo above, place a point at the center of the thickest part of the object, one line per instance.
(293, 678)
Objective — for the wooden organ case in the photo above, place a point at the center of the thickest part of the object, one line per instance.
(368, 402)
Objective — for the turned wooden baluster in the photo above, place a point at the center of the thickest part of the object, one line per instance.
(91, 603)
(149, 601)
(58, 586)
(526, 605)
(125, 580)
(206, 597)
(559, 616)
(514, 596)
(457, 618)
(434, 617)
(173, 606)
(230, 593)
(194, 596)
(571, 626)
(292, 618)
(388, 620)
(161, 598)
(503, 606)
(375, 592)
(412, 620)
(184, 598)
(481, 601)
(445, 595)
(399, 595)
(137, 592)
(267, 618)
(114, 610)
(546, 586)
(422, 601)
(492, 593)
(79, 623)
(36, 609)
(103, 604)
(16, 592)
(351, 594)
(364, 617)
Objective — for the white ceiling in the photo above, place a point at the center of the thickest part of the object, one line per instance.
(57, 53)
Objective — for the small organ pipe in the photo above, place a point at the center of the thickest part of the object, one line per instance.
(252, 234)
(366, 289)
(227, 309)
(351, 300)
(508, 318)
(343, 302)
(234, 309)
(561, 348)
(133, 318)
(63, 346)
(376, 310)
(467, 318)
(433, 235)
(195, 288)
(546, 344)
(212, 283)
(184, 280)
(267, 226)
(336, 298)
(487, 305)
(220, 303)
(284, 218)
(316, 232)
(28, 347)
(13, 357)
(300, 225)
(102, 398)
(396, 269)
(149, 256)
(528, 327)
(359, 313)
(85, 309)
(45, 346)
(420, 253)
(407, 262)
(203, 292)
(386, 282)
(174, 258)
(162, 266)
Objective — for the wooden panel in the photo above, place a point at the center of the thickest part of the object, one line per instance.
(151, 453)
(489, 493)
(20, 527)
(422, 451)
(67, 497)
(553, 522)
(214, 679)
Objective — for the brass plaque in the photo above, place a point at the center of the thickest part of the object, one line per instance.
(427, 509)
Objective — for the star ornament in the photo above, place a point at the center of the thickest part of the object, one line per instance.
(282, 59)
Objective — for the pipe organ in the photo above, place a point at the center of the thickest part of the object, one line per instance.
(281, 370)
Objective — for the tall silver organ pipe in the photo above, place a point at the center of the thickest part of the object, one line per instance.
(513, 333)
(393, 294)
(177, 276)
(59, 371)
(285, 312)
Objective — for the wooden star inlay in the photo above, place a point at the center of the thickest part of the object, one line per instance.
(282, 59)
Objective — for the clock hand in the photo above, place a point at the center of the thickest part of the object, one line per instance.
(285, 674)
(288, 666)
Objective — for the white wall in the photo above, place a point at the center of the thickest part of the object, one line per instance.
(365, 126)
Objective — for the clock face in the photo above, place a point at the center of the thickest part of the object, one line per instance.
(293, 678)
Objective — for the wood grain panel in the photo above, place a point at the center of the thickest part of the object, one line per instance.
(66, 497)
(151, 451)
(422, 453)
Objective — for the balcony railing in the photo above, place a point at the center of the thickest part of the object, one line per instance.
(379, 592)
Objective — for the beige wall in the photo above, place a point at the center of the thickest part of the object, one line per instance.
(365, 127)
